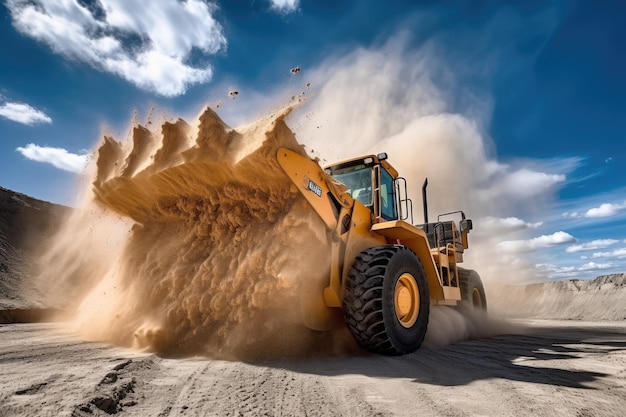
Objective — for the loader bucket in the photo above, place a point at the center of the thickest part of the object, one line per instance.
(145, 187)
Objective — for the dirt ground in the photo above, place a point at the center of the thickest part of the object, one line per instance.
(558, 368)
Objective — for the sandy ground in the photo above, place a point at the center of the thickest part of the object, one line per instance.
(558, 368)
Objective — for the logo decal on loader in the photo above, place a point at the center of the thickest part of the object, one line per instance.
(311, 186)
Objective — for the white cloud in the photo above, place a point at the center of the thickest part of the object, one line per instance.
(617, 253)
(521, 246)
(508, 224)
(23, 113)
(592, 266)
(553, 271)
(58, 157)
(148, 46)
(284, 6)
(525, 182)
(594, 244)
(605, 210)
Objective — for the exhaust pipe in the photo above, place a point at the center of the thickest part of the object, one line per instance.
(424, 200)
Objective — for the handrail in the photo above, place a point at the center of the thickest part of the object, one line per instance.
(402, 198)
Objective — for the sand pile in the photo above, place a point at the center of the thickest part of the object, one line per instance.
(598, 299)
(25, 225)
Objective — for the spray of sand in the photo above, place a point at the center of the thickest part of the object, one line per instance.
(220, 257)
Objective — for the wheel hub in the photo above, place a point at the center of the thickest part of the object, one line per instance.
(477, 300)
(406, 300)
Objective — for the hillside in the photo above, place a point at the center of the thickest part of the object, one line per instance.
(576, 299)
(25, 224)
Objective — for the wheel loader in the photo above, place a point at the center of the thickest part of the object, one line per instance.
(385, 272)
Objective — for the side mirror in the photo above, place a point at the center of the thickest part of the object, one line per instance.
(466, 225)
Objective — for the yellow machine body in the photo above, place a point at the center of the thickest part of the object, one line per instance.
(353, 227)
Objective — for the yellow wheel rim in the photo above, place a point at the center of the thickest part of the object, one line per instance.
(406, 300)
(477, 300)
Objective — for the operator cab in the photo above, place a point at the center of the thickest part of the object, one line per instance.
(375, 183)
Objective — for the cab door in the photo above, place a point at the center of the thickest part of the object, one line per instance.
(387, 206)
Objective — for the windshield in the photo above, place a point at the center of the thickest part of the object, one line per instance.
(359, 182)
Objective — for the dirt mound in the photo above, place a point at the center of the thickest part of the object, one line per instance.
(25, 225)
(598, 299)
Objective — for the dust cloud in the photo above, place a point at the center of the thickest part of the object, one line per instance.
(449, 325)
(409, 103)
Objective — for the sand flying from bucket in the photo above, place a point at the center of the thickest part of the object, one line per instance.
(194, 242)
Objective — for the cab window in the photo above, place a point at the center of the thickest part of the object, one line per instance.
(358, 179)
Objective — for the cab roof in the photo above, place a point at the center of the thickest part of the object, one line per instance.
(367, 160)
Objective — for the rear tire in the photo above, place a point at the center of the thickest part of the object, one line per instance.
(472, 290)
(386, 301)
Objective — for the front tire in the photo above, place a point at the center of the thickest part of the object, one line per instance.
(386, 301)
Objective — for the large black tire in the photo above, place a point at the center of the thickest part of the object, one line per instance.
(472, 290)
(386, 300)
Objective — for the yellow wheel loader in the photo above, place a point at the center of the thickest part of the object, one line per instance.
(385, 272)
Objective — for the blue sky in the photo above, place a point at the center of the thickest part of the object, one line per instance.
(526, 101)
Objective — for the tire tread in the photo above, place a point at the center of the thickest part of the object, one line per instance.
(363, 301)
